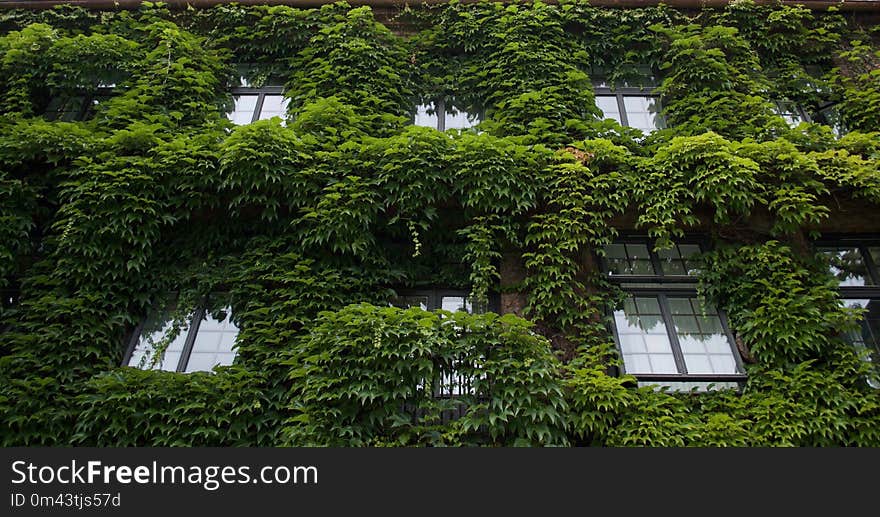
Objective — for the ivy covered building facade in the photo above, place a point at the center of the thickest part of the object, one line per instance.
(456, 224)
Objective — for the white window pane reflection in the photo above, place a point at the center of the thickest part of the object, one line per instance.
(866, 338)
(847, 265)
(628, 259)
(643, 112)
(243, 112)
(704, 343)
(643, 337)
(213, 342)
(274, 106)
(426, 116)
(648, 348)
(160, 345)
(460, 120)
(609, 107)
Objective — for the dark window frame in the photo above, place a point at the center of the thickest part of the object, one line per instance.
(260, 93)
(192, 332)
(664, 287)
(620, 93)
(799, 110)
(440, 108)
(860, 242)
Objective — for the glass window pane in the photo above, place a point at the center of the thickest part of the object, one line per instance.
(426, 115)
(648, 305)
(686, 324)
(274, 106)
(679, 259)
(722, 363)
(676, 386)
(66, 109)
(405, 302)
(609, 107)
(243, 112)
(639, 260)
(643, 337)
(460, 119)
(632, 343)
(848, 266)
(867, 336)
(680, 306)
(628, 259)
(874, 251)
(454, 303)
(160, 343)
(663, 363)
(698, 363)
(790, 112)
(214, 342)
(706, 347)
(643, 112)
(615, 259)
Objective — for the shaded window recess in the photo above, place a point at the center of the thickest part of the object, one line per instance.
(78, 107)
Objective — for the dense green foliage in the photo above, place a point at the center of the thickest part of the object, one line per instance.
(309, 226)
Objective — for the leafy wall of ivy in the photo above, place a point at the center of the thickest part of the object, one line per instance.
(307, 226)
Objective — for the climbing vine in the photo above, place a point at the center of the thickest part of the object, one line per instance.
(307, 225)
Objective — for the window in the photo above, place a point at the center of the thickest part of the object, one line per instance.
(204, 340)
(434, 299)
(633, 104)
(428, 115)
(450, 382)
(665, 334)
(70, 108)
(252, 103)
(853, 261)
(792, 113)
(633, 108)
(829, 115)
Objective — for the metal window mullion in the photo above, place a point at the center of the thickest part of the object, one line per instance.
(803, 113)
(725, 326)
(655, 259)
(190, 339)
(621, 108)
(259, 107)
(440, 107)
(673, 335)
(615, 333)
(132, 343)
(84, 109)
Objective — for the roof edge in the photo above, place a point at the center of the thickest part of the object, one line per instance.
(843, 5)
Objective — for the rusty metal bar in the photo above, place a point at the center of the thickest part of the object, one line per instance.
(843, 5)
